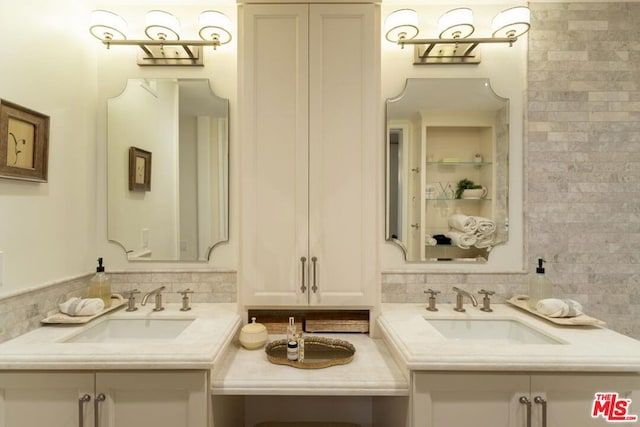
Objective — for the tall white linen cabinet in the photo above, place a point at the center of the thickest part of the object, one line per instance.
(310, 143)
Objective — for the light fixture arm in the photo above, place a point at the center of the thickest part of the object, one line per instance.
(424, 49)
(192, 49)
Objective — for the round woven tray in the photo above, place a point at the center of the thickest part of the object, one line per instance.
(319, 352)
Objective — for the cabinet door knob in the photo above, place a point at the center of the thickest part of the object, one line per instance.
(303, 287)
(81, 401)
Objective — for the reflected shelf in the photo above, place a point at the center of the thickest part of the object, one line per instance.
(486, 199)
(459, 163)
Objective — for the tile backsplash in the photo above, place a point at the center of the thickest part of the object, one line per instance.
(22, 312)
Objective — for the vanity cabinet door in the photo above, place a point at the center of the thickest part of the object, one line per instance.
(159, 399)
(309, 78)
(570, 398)
(469, 399)
(46, 399)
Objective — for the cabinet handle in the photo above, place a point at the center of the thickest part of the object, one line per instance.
(81, 401)
(96, 418)
(525, 401)
(303, 288)
(314, 288)
(541, 401)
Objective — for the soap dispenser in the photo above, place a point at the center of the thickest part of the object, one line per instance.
(100, 285)
(540, 287)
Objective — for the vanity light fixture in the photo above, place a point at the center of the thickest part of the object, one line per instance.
(453, 45)
(164, 45)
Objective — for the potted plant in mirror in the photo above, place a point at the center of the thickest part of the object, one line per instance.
(468, 189)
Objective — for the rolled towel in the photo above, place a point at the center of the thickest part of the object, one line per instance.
(554, 307)
(82, 306)
(430, 241)
(484, 240)
(462, 240)
(485, 225)
(464, 223)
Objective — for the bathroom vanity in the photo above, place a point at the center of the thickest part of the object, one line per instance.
(153, 371)
(524, 372)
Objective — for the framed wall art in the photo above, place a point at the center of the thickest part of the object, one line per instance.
(139, 169)
(24, 143)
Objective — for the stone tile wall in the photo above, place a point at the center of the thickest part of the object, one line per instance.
(583, 155)
(582, 165)
(23, 312)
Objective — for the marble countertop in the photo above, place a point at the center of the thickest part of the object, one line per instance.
(199, 346)
(372, 372)
(417, 345)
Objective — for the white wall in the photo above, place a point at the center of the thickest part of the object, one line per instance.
(506, 68)
(47, 63)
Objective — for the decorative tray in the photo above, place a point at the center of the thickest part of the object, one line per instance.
(319, 352)
(520, 301)
(116, 301)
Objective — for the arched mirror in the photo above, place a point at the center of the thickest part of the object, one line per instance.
(447, 153)
(167, 169)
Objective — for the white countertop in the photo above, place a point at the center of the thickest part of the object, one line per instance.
(197, 347)
(372, 372)
(419, 346)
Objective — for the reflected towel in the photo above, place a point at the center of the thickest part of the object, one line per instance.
(554, 307)
(464, 223)
(485, 225)
(462, 240)
(82, 306)
(484, 240)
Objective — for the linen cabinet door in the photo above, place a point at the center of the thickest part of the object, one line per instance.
(46, 399)
(469, 400)
(345, 140)
(159, 399)
(569, 399)
(273, 103)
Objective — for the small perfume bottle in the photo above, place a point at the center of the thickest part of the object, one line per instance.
(291, 329)
(292, 349)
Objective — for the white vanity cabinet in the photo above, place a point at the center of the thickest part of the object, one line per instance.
(104, 399)
(309, 149)
(503, 399)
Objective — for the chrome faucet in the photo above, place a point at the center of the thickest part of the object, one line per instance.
(158, 295)
(460, 293)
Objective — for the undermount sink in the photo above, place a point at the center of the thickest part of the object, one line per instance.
(122, 330)
(498, 331)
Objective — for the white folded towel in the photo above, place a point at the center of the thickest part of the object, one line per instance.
(464, 223)
(82, 306)
(485, 225)
(460, 239)
(430, 241)
(554, 307)
(484, 240)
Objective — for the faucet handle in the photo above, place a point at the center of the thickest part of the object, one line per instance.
(185, 299)
(486, 301)
(431, 293)
(131, 299)
(432, 299)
